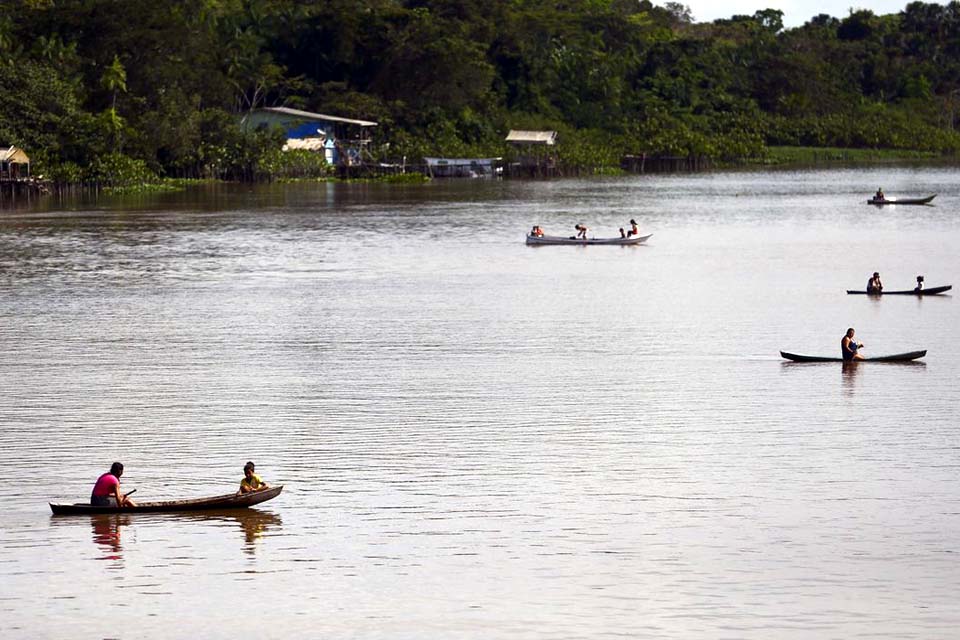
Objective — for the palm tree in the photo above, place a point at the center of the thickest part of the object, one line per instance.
(115, 80)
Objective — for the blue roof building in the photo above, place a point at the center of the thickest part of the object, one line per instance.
(341, 140)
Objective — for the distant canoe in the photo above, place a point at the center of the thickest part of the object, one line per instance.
(229, 501)
(930, 291)
(899, 357)
(880, 203)
(545, 240)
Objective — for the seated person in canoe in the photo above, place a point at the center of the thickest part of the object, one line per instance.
(919, 286)
(536, 232)
(850, 348)
(633, 228)
(251, 481)
(879, 195)
(623, 234)
(874, 286)
(106, 491)
(581, 231)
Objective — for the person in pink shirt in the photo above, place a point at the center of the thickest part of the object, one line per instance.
(106, 492)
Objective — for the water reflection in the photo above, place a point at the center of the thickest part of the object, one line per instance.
(253, 523)
(108, 530)
(106, 534)
(849, 371)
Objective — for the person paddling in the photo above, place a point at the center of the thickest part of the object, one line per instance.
(874, 286)
(581, 231)
(919, 286)
(106, 491)
(251, 481)
(850, 348)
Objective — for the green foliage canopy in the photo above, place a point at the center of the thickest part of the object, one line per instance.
(164, 82)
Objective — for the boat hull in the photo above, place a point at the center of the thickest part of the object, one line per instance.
(931, 291)
(897, 357)
(536, 241)
(880, 203)
(228, 501)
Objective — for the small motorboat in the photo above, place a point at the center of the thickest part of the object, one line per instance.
(883, 201)
(228, 501)
(533, 240)
(898, 357)
(931, 291)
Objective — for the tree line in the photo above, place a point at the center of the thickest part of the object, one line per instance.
(106, 88)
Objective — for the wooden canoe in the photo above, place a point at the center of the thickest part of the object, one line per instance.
(549, 240)
(880, 203)
(929, 291)
(897, 357)
(228, 501)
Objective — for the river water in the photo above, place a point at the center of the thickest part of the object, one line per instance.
(477, 438)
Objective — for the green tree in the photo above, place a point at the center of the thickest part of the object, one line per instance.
(114, 80)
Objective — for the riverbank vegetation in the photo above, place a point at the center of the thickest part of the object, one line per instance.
(119, 92)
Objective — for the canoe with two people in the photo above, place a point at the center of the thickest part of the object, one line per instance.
(106, 497)
(875, 288)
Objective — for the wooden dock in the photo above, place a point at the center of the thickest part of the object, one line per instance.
(15, 188)
(655, 163)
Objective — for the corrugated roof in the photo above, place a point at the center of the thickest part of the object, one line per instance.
(308, 144)
(460, 162)
(13, 154)
(532, 137)
(317, 116)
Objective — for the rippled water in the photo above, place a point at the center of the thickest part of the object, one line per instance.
(477, 438)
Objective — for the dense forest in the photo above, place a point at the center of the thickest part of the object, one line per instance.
(109, 87)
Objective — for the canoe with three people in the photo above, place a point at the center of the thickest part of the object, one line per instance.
(627, 237)
(107, 497)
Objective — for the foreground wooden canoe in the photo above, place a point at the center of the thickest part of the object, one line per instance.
(545, 240)
(929, 291)
(898, 357)
(229, 501)
(880, 203)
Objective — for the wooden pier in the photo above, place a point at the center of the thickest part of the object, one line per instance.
(19, 191)
(15, 180)
(654, 163)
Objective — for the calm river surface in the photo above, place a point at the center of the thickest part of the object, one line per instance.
(479, 439)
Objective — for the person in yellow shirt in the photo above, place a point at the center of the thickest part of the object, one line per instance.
(251, 481)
